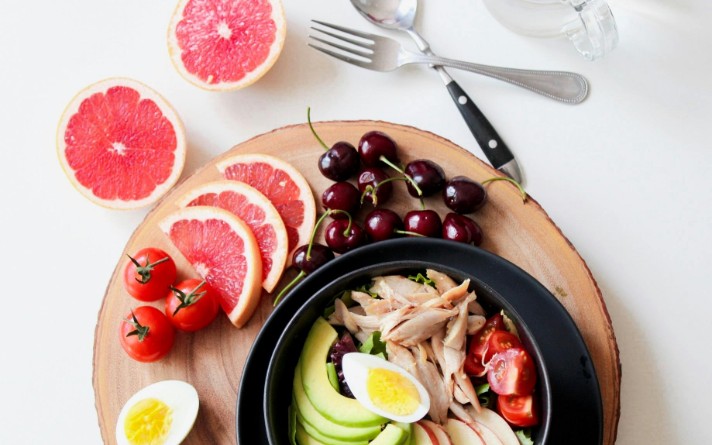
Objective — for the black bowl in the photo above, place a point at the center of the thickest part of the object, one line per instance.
(569, 393)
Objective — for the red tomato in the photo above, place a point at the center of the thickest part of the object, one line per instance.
(500, 341)
(521, 411)
(146, 334)
(192, 305)
(478, 345)
(512, 372)
(149, 273)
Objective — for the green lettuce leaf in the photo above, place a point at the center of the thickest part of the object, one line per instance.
(524, 436)
(373, 345)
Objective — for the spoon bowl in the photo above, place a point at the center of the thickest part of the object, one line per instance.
(389, 14)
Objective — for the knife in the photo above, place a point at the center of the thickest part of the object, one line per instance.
(486, 136)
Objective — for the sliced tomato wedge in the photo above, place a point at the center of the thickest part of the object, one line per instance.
(522, 411)
(478, 345)
(500, 341)
(512, 372)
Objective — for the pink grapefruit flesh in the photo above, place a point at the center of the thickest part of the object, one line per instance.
(257, 212)
(222, 250)
(226, 44)
(283, 185)
(121, 144)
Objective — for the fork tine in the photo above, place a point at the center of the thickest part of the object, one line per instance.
(360, 43)
(361, 34)
(340, 56)
(350, 50)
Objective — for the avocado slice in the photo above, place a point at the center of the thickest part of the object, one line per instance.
(391, 435)
(324, 439)
(305, 439)
(325, 399)
(327, 428)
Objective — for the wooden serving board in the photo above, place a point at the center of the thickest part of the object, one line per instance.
(212, 360)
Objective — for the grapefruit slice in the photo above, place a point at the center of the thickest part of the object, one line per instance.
(223, 251)
(121, 144)
(226, 44)
(282, 184)
(257, 212)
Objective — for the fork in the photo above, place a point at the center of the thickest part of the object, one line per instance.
(379, 53)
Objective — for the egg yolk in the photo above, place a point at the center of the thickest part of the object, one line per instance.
(148, 422)
(392, 392)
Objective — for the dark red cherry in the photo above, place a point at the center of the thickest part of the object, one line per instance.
(341, 196)
(382, 224)
(429, 176)
(375, 144)
(320, 255)
(340, 238)
(463, 195)
(371, 178)
(423, 222)
(475, 230)
(340, 162)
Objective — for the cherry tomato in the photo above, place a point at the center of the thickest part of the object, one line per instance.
(512, 372)
(191, 305)
(500, 341)
(478, 345)
(146, 334)
(522, 411)
(149, 273)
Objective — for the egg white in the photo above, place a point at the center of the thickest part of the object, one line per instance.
(356, 365)
(180, 396)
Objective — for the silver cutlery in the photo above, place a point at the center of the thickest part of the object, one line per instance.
(379, 53)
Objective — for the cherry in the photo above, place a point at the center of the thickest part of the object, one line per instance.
(342, 235)
(374, 178)
(340, 162)
(319, 255)
(375, 144)
(382, 224)
(341, 196)
(423, 222)
(460, 228)
(463, 195)
(428, 175)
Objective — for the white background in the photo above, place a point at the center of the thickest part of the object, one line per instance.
(626, 176)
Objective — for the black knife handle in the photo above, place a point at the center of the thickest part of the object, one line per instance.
(490, 142)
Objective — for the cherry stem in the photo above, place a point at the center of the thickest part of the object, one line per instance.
(311, 127)
(407, 232)
(313, 234)
(348, 215)
(400, 170)
(522, 192)
(373, 190)
(291, 284)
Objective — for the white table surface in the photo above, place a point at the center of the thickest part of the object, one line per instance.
(625, 175)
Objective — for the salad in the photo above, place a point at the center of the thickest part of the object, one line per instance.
(414, 360)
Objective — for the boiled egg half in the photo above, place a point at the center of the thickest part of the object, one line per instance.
(160, 414)
(385, 388)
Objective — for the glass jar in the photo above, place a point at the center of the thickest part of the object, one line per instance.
(589, 24)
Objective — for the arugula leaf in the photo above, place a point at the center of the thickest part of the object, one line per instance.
(365, 289)
(422, 279)
(524, 437)
(484, 395)
(373, 345)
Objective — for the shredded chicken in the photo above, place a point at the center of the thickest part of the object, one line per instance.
(425, 329)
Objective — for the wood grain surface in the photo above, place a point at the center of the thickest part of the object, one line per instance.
(212, 359)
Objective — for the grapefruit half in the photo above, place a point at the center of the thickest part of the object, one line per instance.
(283, 185)
(257, 212)
(226, 44)
(223, 251)
(121, 144)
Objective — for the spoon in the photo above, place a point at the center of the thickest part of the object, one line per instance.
(400, 15)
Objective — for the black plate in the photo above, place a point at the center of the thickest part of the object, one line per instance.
(575, 395)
